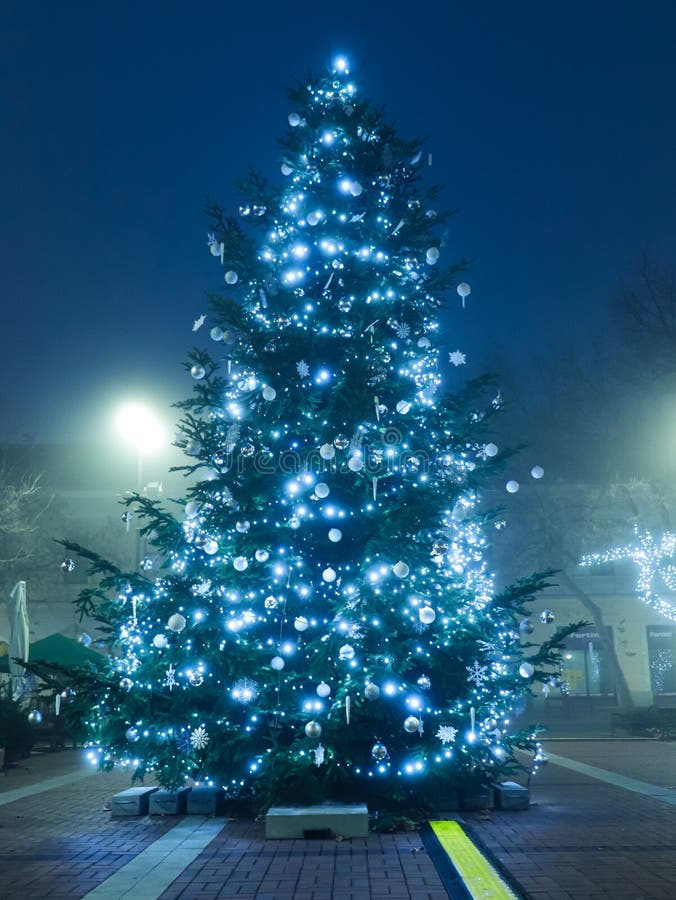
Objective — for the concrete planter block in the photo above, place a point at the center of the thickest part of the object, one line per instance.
(510, 795)
(479, 799)
(169, 803)
(204, 801)
(132, 802)
(325, 820)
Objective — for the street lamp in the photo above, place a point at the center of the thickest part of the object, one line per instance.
(141, 428)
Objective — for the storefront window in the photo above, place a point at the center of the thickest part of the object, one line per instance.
(585, 668)
(661, 656)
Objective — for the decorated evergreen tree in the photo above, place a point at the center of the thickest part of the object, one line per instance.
(323, 622)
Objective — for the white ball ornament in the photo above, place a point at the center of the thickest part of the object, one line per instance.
(216, 333)
(426, 615)
(323, 690)
(424, 343)
(231, 277)
(240, 563)
(400, 569)
(329, 575)
(371, 691)
(537, 471)
(322, 490)
(211, 547)
(176, 623)
(197, 371)
(411, 724)
(526, 670)
(314, 218)
(403, 407)
(161, 641)
(286, 169)
(335, 535)
(313, 729)
(301, 623)
(491, 449)
(512, 486)
(346, 652)
(355, 464)
(277, 663)
(294, 120)
(356, 189)
(269, 394)
(242, 526)
(327, 451)
(464, 290)
(132, 735)
(432, 255)
(192, 508)
(262, 556)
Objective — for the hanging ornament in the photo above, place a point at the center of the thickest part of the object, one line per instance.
(491, 449)
(176, 623)
(35, 717)
(262, 556)
(199, 738)
(547, 616)
(197, 371)
(126, 518)
(247, 450)
(216, 333)
(322, 490)
(512, 486)
(345, 304)
(314, 217)
(537, 471)
(301, 623)
(432, 256)
(447, 734)
(231, 277)
(313, 730)
(355, 464)
(347, 708)
(335, 535)
(210, 547)
(242, 526)
(271, 602)
(403, 407)
(67, 565)
(161, 640)
(526, 626)
(424, 343)
(327, 451)
(526, 670)
(464, 290)
(371, 691)
(400, 569)
(439, 548)
(132, 735)
(412, 724)
(319, 753)
(193, 447)
(196, 678)
(379, 751)
(341, 442)
(269, 394)
(277, 663)
(426, 614)
(457, 358)
(294, 120)
(346, 652)
(126, 684)
(170, 678)
(286, 168)
(424, 683)
(240, 563)
(323, 690)
(329, 575)
(244, 691)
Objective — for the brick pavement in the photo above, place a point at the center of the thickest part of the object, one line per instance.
(582, 839)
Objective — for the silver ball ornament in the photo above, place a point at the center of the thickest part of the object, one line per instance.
(313, 729)
(379, 751)
(411, 724)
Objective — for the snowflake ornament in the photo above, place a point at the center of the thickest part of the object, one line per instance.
(319, 753)
(199, 738)
(401, 329)
(303, 369)
(457, 358)
(447, 734)
(170, 680)
(477, 673)
(244, 691)
(197, 324)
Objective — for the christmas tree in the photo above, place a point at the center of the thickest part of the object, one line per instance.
(324, 623)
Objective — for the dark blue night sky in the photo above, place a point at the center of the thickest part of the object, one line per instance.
(551, 126)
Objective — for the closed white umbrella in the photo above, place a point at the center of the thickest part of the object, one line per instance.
(18, 639)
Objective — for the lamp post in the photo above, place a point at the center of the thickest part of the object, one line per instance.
(140, 427)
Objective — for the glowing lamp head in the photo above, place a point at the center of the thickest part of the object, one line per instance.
(341, 65)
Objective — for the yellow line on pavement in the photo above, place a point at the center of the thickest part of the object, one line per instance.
(480, 878)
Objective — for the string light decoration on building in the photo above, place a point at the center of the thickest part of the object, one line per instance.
(655, 559)
(326, 624)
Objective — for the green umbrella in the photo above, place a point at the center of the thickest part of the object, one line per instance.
(59, 649)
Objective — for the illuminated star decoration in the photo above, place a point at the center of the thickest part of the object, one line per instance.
(446, 734)
(655, 561)
(199, 738)
(457, 358)
(477, 673)
(197, 324)
(303, 369)
(245, 690)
